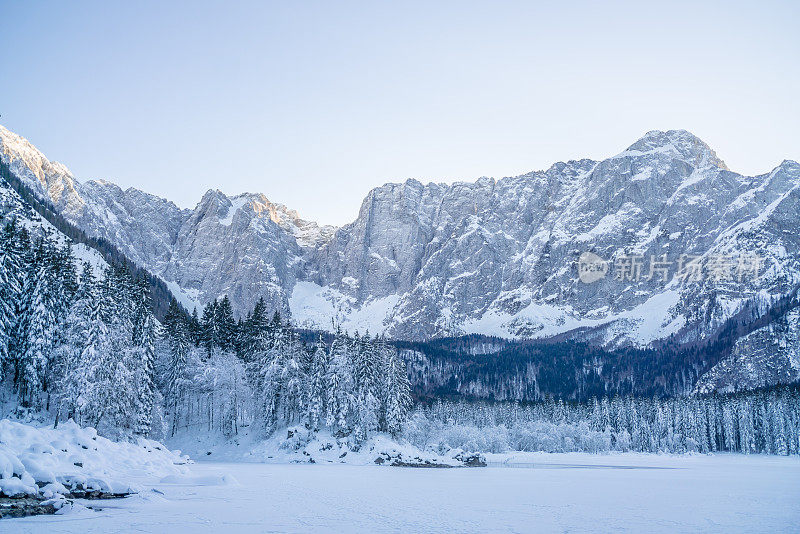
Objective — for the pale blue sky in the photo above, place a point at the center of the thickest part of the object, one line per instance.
(315, 103)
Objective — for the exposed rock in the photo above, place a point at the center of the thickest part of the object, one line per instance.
(25, 506)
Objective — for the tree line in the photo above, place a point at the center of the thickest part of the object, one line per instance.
(81, 342)
(762, 421)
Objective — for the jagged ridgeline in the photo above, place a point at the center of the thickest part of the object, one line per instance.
(160, 294)
(493, 257)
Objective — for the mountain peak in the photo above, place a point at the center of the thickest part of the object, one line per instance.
(681, 144)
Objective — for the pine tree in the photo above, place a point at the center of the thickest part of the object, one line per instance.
(399, 395)
(93, 373)
(367, 384)
(317, 385)
(209, 328)
(339, 387)
(225, 324)
(73, 376)
(177, 334)
(144, 339)
(10, 289)
(39, 324)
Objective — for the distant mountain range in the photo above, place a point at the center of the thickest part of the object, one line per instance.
(660, 243)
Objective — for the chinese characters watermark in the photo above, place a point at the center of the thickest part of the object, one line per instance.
(661, 268)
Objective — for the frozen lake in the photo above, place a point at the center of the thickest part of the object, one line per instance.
(529, 493)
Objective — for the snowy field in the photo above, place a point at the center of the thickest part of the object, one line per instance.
(530, 492)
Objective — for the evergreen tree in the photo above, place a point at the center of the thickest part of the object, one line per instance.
(38, 324)
(339, 387)
(317, 395)
(144, 334)
(10, 289)
(398, 394)
(225, 324)
(179, 345)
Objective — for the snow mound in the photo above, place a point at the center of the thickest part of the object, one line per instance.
(300, 445)
(47, 462)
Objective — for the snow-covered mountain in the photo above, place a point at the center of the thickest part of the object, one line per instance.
(13, 206)
(498, 257)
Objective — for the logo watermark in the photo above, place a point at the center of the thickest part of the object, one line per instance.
(661, 268)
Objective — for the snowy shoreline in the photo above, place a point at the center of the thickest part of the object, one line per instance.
(45, 469)
(272, 485)
(698, 493)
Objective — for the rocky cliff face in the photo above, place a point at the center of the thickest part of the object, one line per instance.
(768, 356)
(501, 257)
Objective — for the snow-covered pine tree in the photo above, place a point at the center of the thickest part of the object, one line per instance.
(225, 324)
(254, 333)
(38, 323)
(91, 376)
(293, 383)
(339, 387)
(398, 394)
(317, 385)
(366, 384)
(10, 289)
(178, 340)
(63, 288)
(144, 333)
(73, 377)
(116, 379)
(209, 329)
(268, 370)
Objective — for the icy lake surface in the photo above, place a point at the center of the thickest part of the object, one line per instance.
(517, 493)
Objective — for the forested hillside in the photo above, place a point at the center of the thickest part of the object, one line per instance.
(482, 367)
(160, 294)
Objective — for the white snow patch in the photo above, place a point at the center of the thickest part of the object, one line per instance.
(188, 298)
(325, 308)
(640, 325)
(516, 493)
(81, 253)
(236, 204)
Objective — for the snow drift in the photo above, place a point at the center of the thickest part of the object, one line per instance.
(47, 462)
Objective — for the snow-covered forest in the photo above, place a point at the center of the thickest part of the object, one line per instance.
(80, 342)
(221, 373)
(75, 343)
(766, 421)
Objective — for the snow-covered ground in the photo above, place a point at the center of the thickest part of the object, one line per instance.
(540, 493)
(48, 461)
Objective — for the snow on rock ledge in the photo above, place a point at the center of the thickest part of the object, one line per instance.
(46, 462)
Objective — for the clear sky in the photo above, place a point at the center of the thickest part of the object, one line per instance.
(315, 103)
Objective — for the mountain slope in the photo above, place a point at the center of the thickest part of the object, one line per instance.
(21, 199)
(498, 257)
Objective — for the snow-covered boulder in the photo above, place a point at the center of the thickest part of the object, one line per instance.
(70, 460)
